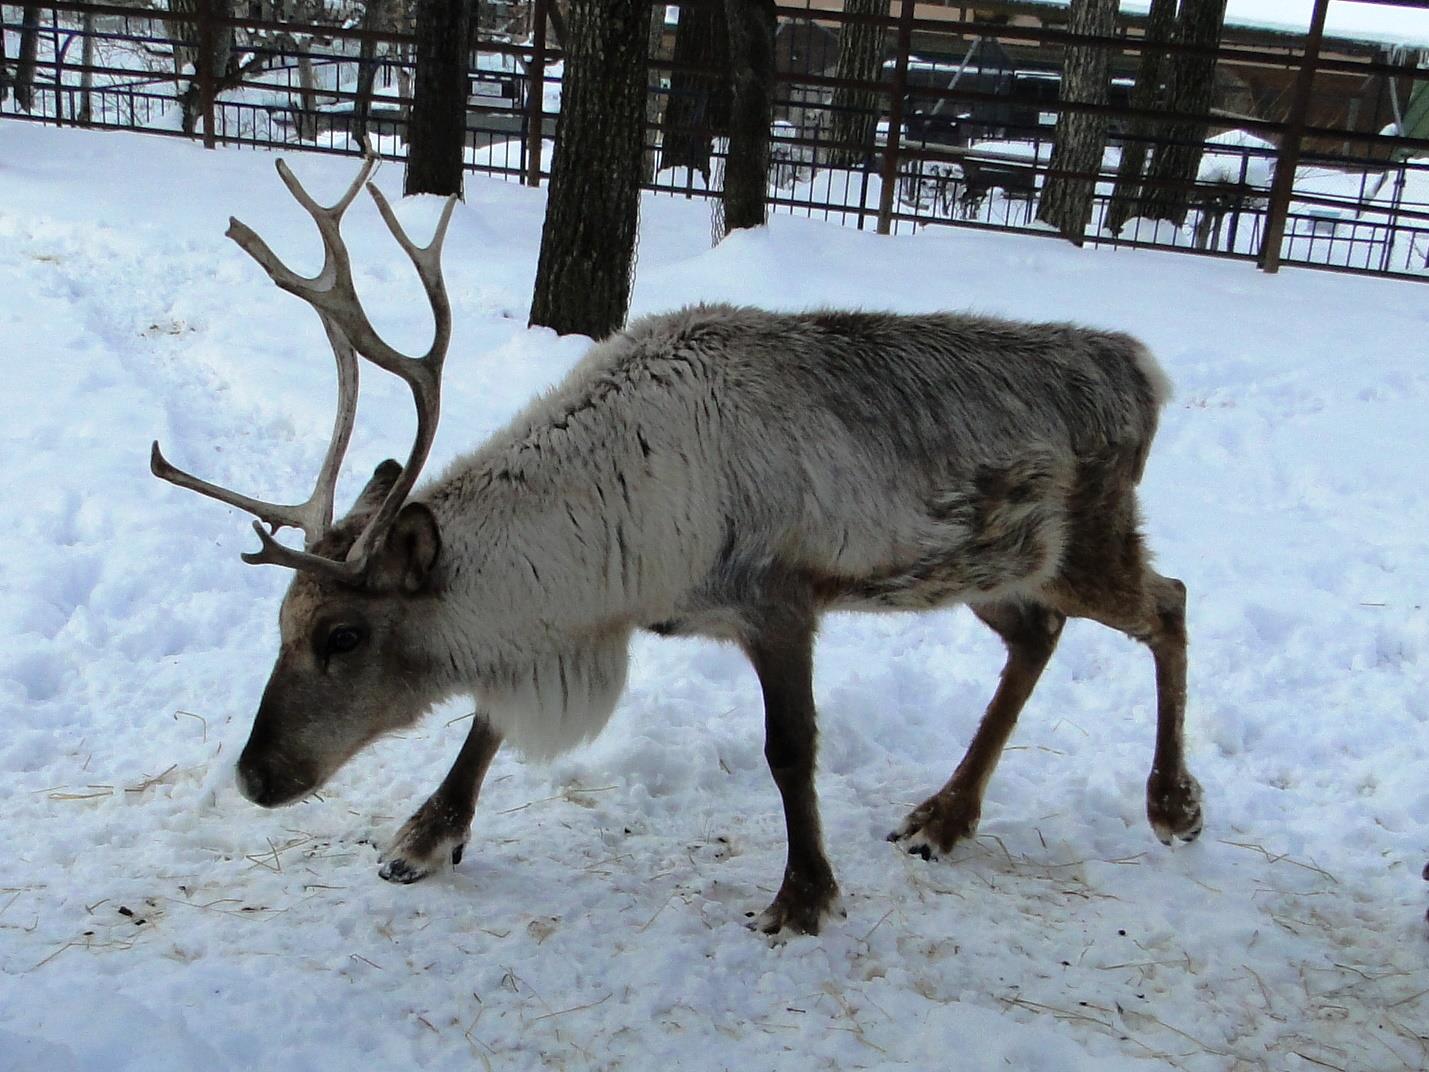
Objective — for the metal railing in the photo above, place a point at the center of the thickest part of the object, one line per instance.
(961, 117)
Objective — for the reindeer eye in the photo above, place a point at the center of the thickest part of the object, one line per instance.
(342, 639)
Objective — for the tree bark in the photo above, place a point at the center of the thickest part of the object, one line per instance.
(307, 98)
(436, 130)
(855, 111)
(751, 25)
(4, 70)
(1066, 201)
(698, 108)
(373, 19)
(557, 18)
(86, 77)
(25, 62)
(217, 63)
(654, 102)
(1126, 197)
(1177, 161)
(587, 255)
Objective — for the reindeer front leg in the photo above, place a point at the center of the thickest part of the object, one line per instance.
(437, 831)
(782, 655)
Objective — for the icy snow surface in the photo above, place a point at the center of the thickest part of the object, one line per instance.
(152, 919)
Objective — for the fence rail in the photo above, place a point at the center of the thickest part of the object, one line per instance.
(1306, 159)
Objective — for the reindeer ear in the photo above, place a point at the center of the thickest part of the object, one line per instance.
(409, 552)
(383, 478)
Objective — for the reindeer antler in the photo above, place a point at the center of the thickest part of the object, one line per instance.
(332, 294)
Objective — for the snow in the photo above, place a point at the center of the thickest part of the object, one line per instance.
(1236, 156)
(1390, 22)
(152, 919)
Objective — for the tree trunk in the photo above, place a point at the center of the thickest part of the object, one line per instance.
(25, 63)
(1066, 201)
(436, 131)
(1126, 198)
(86, 76)
(751, 25)
(404, 85)
(307, 98)
(373, 19)
(4, 67)
(1192, 90)
(654, 101)
(698, 107)
(593, 201)
(216, 64)
(557, 18)
(855, 111)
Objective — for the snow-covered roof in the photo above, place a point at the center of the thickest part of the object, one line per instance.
(1346, 19)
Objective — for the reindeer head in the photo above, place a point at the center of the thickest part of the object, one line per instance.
(349, 667)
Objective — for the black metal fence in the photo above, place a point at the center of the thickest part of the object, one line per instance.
(1306, 158)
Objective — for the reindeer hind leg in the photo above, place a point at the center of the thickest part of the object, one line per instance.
(1107, 579)
(1030, 632)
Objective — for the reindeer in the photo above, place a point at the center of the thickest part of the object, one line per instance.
(717, 471)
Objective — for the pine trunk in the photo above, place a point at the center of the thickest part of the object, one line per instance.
(698, 108)
(1193, 89)
(654, 101)
(855, 111)
(593, 203)
(25, 62)
(307, 119)
(215, 63)
(86, 78)
(436, 129)
(751, 25)
(373, 18)
(1066, 201)
(1126, 198)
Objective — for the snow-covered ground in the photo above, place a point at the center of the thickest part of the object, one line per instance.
(1390, 21)
(152, 919)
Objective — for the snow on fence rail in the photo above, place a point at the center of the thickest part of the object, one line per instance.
(959, 117)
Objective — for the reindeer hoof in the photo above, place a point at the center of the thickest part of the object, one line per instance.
(1173, 806)
(800, 907)
(401, 872)
(434, 835)
(935, 826)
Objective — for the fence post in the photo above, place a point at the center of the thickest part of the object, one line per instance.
(535, 108)
(1288, 157)
(205, 69)
(893, 144)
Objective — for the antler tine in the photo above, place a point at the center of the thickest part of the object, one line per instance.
(334, 297)
(331, 292)
(314, 515)
(273, 553)
(370, 160)
(422, 375)
(428, 262)
(347, 380)
(328, 220)
(275, 514)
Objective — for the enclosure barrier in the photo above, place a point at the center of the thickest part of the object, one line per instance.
(1313, 152)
